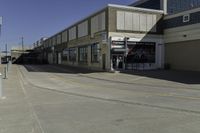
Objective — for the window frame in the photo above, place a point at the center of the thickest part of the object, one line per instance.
(95, 51)
(72, 54)
(83, 54)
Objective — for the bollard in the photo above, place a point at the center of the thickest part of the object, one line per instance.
(1, 89)
(7, 65)
(5, 73)
(10, 63)
(0, 85)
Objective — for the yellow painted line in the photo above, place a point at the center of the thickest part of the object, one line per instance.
(186, 97)
(139, 78)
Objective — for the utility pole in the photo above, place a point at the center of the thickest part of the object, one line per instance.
(22, 43)
(6, 50)
(22, 50)
(1, 22)
(1, 88)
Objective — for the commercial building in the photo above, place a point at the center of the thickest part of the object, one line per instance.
(182, 40)
(147, 34)
(169, 6)
(181, 31)
(116, 37)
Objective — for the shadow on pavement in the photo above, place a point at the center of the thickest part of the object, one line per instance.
(58, 69)
(186, 77)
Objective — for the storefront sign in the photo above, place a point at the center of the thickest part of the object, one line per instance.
(118, 44)
(119, 50)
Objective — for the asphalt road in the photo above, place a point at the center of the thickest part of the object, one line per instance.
(57, 99)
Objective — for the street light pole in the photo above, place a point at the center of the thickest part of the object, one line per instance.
(22, 43)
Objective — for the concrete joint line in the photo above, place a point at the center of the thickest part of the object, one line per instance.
(120, 101)
(138, 84)
(29, 103)
(115, 100)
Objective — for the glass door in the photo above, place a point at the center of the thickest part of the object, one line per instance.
(118, 61)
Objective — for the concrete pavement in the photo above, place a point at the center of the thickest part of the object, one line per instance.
(16, 113)
(40, 101)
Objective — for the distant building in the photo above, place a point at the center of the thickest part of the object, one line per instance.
(17, 53)
(5, 56)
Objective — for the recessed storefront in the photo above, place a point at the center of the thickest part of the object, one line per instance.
(128, 55)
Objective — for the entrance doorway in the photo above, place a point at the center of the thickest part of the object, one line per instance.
(118, 61)
(59, 58)
(104, 61)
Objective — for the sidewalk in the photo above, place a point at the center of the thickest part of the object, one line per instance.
(16, 114)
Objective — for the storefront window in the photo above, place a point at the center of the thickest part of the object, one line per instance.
(95, 52)
(83, 54)
(65, 54)
(72, 54)
(140, 52)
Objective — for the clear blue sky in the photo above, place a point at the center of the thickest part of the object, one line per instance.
(34, 19)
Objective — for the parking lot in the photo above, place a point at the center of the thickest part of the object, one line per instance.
(50, 98)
